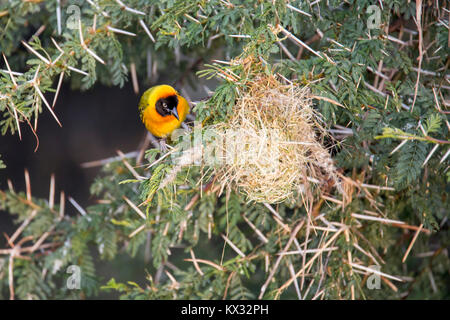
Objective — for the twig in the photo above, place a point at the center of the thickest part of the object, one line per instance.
(233, 246)
(129, 167)
(328, 100)
(259, 233)
(11, 275)
(11, 74)
(350, 260)
(298, 41)
(27, 184)
(46, 61)
(412, 243)
(77, 206)
(51, 197)
(22, 226)
(277, 217)
(418, 21)
(135, 232)
(277, 263)
(135, 208)
(305, 251)
(97, 163)
(212, 264)
(292, 272)
(62, 205)
(368, 85)
(134, 78)
(126, 8)
(310, 262)
(375, 271)
(383, 220)
(370, 186)
(196, 264)
(58, 15)
(285, 50)
(298, 10)
(85, 47)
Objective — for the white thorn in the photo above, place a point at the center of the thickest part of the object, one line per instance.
(142, 23)
(127, 33)
(430, 154)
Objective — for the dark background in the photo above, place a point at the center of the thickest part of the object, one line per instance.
(96, 123)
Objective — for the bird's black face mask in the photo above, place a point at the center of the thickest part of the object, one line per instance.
(168, 106)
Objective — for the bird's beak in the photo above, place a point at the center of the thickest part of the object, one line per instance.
(175, 113)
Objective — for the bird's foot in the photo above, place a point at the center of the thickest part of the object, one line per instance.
(163, 145)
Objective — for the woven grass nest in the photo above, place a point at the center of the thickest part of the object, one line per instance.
(276, 142)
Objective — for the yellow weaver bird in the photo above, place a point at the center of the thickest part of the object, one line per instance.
(162, 110)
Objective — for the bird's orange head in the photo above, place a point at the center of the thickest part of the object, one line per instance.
(162, 110)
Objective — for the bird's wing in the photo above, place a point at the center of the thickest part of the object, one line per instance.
(143, 103)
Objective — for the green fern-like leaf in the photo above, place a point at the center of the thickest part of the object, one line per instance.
(409, 163)
(433, 123)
